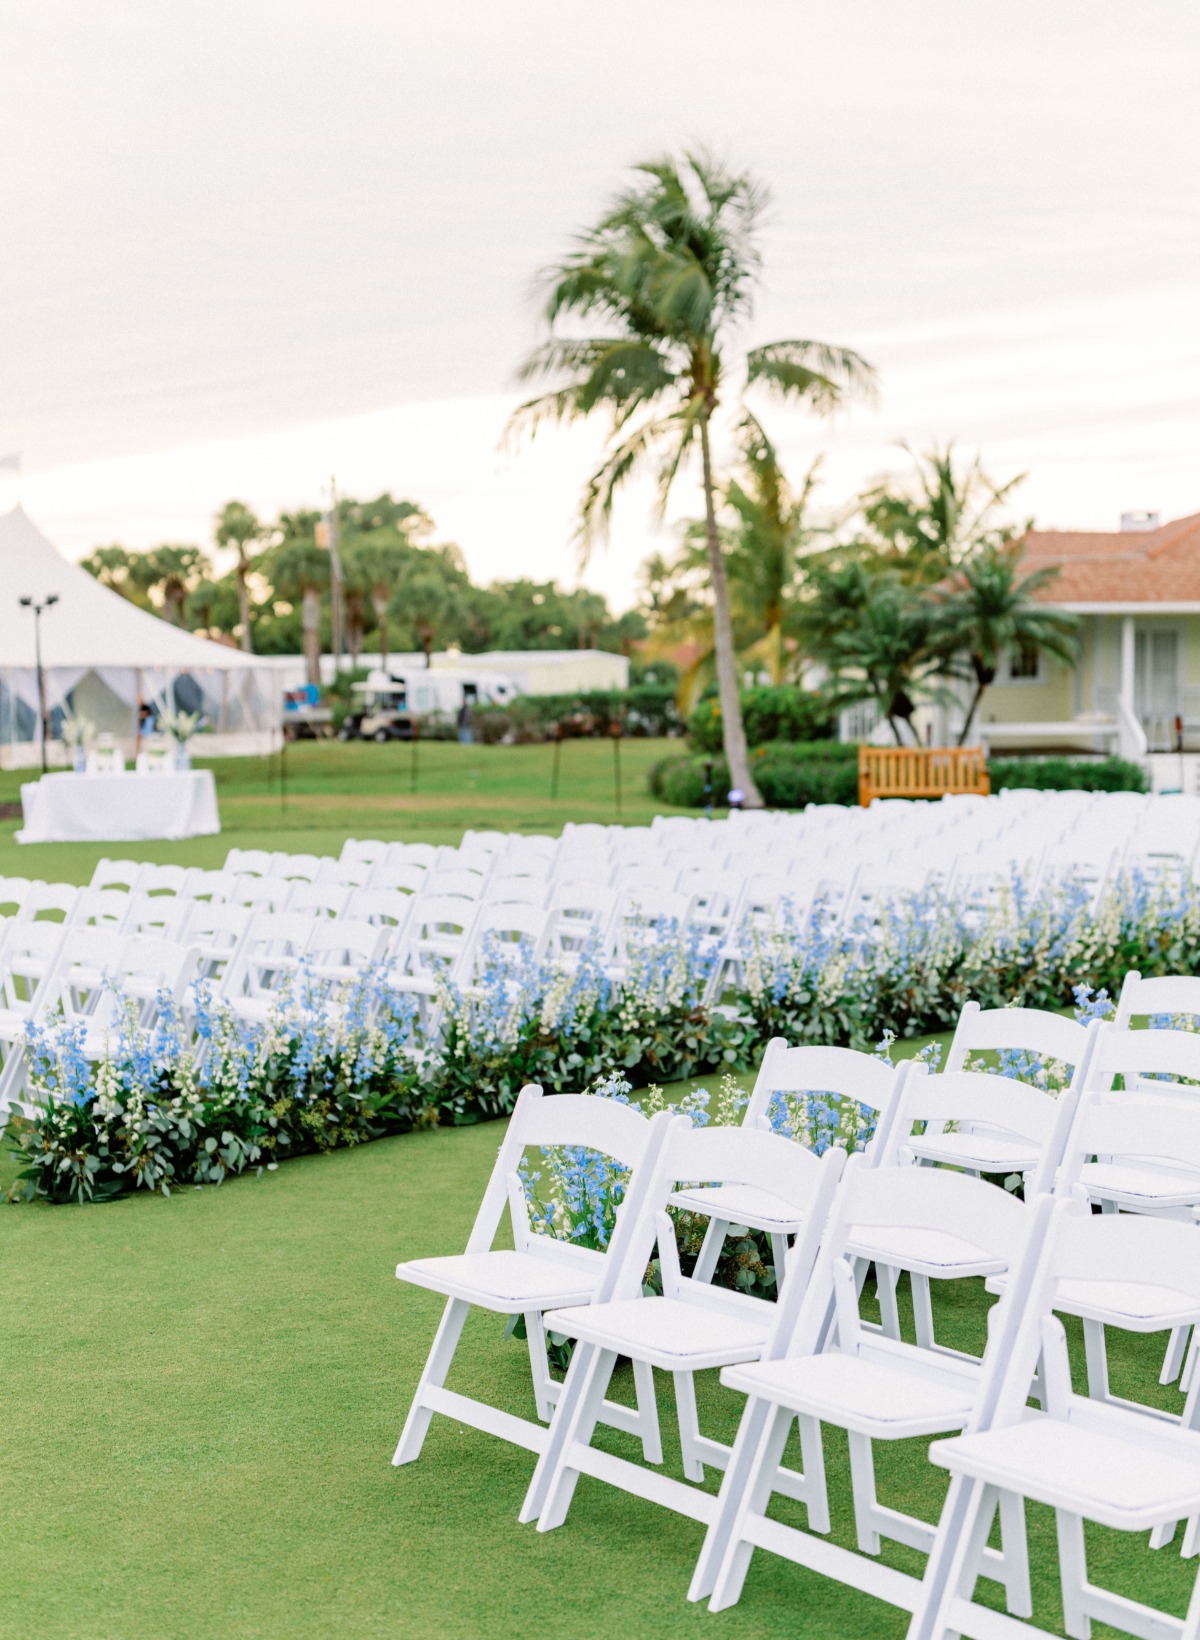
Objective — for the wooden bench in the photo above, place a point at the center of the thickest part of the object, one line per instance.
(920, 771)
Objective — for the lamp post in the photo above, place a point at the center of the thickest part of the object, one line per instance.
(38, 605)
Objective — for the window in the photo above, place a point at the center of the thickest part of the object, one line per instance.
(1024, 663)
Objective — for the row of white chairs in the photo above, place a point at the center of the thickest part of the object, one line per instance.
(917, 1200)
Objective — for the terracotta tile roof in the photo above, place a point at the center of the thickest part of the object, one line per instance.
(1160, 566)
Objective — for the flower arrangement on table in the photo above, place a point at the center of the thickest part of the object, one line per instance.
(75, 733)
(179, 727)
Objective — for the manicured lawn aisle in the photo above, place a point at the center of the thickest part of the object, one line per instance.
(202, 1395)
(336, 791)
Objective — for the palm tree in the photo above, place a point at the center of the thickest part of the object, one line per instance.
(373, 566)
(943, 516)
(989, 608)
(237, 526)
(174, 570)
(428, 601)
(299, 571)
(669, 273)
(876, 632)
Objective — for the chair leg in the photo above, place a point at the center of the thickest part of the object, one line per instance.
(416, 1425)
(922, 1310)
(952, 1569)
(647, 1403)
(710, 1250)
(1014, 1543)
(735, 1563)
(887, 1278)
(579, 1375)
(1072, 1571)
(812, 1458)
(689, 1425)
(580, 1428)
(729, 1502)
(544, 1387)
(1097, 1359)
(862, 1484)
(1173, 1360)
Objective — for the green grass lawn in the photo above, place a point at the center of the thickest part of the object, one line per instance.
(202, 1395)
(334, 791)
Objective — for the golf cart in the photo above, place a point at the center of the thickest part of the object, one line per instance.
(379, 711)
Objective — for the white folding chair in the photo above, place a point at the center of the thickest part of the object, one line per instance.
(822, 1366)
(116, 874)
(272, 947)
(510, 890)
(214, 886)
(27, 965)
(249, 862)
(339, 948)
(217, 932)
(1168, 994)
(365, 851)
(1087, 1460)
(811, 1076)
(384, 906)
(398, 879)
(316, 899)
(165, 879)
(48, 902)
(541, 1274)
(304, 866)
(691, 1327)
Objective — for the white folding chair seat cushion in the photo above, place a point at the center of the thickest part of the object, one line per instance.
(1140, 1189)
(1133, 1306)
(978, 1152)
(669, 1333)
(506, 1281)
(1104, 1463)
(936, 1253)
(745, 1204)
(884, 1397)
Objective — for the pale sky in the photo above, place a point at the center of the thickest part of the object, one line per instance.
(250, 244)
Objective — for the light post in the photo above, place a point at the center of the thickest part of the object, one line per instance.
(38, 605)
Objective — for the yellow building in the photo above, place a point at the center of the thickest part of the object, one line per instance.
(1136, 592)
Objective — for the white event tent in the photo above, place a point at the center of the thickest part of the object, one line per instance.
(103, 657)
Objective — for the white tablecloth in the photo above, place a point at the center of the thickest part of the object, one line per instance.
(119, 808)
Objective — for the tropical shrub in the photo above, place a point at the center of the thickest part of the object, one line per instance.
(770, 712)
(1060, 774)
(789, 776)
(646, 709)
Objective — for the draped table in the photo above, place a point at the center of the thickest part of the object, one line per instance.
(119, 808)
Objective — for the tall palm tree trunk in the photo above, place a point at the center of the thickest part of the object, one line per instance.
(732, 730)
(243, 592)
(311, 619)
(381, 614)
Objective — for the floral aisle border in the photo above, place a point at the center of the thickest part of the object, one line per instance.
(200, 1095)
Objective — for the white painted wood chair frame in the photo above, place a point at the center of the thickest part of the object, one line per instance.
(824, 1366)
(691, 1327)
(840, 1071)
(1085, 1459)
(553, 1273)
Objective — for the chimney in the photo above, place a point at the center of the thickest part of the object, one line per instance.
(1139, 521)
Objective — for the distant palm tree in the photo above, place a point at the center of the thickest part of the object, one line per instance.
(988, 608)
(299, 572)
(173, 570)
(669, 273)
(238, 526)
(948, 512)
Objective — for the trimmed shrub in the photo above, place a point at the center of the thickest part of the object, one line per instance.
(1068, 774)
(648, 709)
(769, 713)
(789, 776)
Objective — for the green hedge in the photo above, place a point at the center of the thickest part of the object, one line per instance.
(646, 709)
(1067, 774)
(789, 776)
(769, 713)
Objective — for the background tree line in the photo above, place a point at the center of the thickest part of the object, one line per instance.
(402, 591)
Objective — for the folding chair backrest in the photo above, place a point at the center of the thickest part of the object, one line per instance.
(463, 885)
(820, 1070)
(400, 879)
(1033, 1030)
(48, 902)
(267, 894)
(318, 899)
(348, 873)
(27, 959)
(929, 1199)
(515, 890)
(100, 908)
(975, 1100)
(581, 911)
(578, 1120)
(345, 942)
(380, 905)
(116, 874)
(411, 854)
(161, 915)
(303, 866)
(1156, 1127)
(363, 850)
(13, 893)
(165, 879)
(199, 884)
(217, 932)
(249, 862)
(1131, 1055)
(1167, 994)
(1129, 1248)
